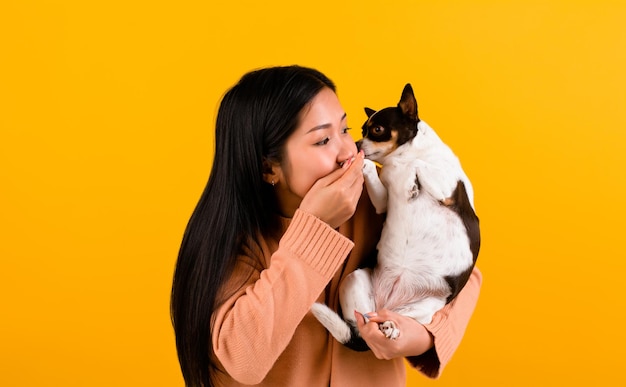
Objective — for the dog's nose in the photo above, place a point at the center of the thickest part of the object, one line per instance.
(358, 145)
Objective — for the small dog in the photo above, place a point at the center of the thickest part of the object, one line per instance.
(430, 240)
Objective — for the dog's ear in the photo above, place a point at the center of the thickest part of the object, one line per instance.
(369, 112)
(408, 104)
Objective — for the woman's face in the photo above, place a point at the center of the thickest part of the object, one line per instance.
(317, 147)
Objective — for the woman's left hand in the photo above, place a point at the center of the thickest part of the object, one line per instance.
(414, 338)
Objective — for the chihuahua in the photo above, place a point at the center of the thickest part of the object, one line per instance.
(430, 239)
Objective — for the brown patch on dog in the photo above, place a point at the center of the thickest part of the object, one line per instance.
(448, 202)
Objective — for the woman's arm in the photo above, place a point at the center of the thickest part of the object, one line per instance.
(448, 327)
(254, 326)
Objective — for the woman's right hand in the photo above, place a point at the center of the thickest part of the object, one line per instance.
(334, 197)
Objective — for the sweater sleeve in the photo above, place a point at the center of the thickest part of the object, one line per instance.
(447, 327)
(254, 326)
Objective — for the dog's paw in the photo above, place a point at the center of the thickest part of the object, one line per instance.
(369, 168)
(389, 329)
(439, 182)
(413, 192)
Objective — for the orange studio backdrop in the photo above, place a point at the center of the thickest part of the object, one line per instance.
(106, 118)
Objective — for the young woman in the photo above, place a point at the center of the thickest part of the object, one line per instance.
(282, 220)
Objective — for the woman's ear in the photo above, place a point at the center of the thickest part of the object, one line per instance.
(271, 172)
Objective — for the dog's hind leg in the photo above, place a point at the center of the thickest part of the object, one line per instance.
(423, 310)
(357, 294)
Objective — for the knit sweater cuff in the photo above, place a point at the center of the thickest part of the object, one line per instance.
(316, 243)
(446, 342)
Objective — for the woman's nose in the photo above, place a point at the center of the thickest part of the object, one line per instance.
(348, 151)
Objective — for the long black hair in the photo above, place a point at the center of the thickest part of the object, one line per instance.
(254, 120)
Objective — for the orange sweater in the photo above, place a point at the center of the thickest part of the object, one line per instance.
(264, 334)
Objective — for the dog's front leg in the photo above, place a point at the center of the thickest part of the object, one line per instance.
(435, 180)
(375, 188)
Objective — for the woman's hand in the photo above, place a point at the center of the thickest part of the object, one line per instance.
(334, 197)
(414, 339)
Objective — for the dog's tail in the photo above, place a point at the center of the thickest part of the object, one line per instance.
(343, 331)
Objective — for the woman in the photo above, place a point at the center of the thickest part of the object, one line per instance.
(282, 220)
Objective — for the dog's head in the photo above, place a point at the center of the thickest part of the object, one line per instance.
(386, 129)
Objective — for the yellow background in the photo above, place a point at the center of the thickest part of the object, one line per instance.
(106, 113)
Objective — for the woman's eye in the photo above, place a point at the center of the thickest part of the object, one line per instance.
(323, 142)
(345, 130)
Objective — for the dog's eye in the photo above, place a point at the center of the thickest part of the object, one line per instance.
(377, 129)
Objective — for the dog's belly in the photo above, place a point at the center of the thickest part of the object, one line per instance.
(422, 243)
